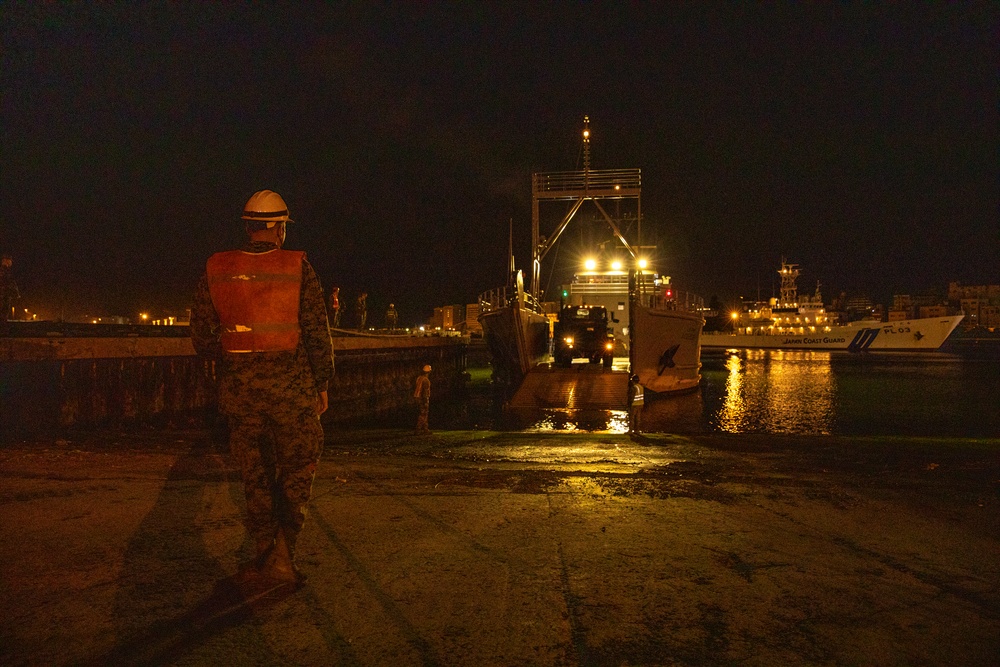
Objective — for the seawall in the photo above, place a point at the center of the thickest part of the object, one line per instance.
(51, 384)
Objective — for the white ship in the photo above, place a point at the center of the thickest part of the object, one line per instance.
(791, 323)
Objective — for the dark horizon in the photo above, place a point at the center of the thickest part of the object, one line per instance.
(859, 142)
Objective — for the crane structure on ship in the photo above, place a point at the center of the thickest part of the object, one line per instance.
(594, 185)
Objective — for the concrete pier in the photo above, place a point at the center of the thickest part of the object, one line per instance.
(50, 384)
(484, 548)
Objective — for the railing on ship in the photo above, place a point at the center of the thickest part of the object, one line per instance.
(679, 301)
(601, 284)
(498, 298)
(654, 297)
(686, 301)
(555, 184)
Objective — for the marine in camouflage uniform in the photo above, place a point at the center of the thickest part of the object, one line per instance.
(391, 317)
(335, 308)
(422, 392)
(361, 310)
(8, 291)
(272, 400)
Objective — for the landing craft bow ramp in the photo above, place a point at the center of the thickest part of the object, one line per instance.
(579, 387)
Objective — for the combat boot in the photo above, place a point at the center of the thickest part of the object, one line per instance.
(279, 565)
(252, 570)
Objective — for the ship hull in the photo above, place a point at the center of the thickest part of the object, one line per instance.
(918, 335)
(666, 349)
(518, 340)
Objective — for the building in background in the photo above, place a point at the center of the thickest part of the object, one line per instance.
(446, 318)
(471, 323)
(908, 307)
(980, 303)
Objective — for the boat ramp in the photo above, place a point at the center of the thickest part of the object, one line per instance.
(582, 386)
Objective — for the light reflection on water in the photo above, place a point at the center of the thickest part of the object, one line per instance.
(814, 393)
(565, 421)
(778, 392)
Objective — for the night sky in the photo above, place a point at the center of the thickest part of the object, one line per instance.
(860, 142)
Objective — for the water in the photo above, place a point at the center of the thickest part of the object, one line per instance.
(793, 392)
(758, 391)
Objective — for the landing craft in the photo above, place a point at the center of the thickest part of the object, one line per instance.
(660, 336)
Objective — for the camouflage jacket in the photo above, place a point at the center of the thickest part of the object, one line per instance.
(250, 380)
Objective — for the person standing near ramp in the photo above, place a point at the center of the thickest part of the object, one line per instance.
(335, 307)
(361, 310)
(635, 402)
(391, 317)
(260, 312)
(8, 291)
(422, 393)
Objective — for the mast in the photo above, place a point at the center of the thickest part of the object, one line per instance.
(510, 248)
(578, 187)
(789, 289)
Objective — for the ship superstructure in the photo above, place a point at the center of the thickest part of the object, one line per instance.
(605, 282)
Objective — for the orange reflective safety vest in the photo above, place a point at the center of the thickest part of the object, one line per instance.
(257, 298)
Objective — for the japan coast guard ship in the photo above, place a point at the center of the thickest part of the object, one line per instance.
(793, 323)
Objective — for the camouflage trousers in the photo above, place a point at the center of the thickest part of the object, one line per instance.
(425, 407)
(277, 456)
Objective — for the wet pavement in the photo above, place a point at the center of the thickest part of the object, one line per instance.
(486, 548)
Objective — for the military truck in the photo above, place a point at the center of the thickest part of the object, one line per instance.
(583, 332)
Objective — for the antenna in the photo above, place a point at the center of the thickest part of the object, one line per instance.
(510, 244)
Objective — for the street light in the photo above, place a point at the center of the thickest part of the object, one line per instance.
(144, 316)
